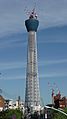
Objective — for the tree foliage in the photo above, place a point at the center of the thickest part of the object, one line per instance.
(11, 114)
(58, 115)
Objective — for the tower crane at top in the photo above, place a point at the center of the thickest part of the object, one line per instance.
(33, 14)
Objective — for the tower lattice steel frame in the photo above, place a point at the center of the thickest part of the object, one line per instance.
(32, 93)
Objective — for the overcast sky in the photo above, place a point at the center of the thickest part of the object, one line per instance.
(52, 46)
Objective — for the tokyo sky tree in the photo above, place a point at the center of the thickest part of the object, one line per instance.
(32, 93)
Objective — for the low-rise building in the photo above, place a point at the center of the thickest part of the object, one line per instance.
(60, 102)
(2, 103)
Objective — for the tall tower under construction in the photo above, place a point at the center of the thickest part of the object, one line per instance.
(32, 93)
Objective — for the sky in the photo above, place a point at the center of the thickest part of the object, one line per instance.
(51, 44)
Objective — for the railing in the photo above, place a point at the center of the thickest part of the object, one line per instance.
(56, 110)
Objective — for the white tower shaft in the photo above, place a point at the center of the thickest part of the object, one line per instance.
(32, 82)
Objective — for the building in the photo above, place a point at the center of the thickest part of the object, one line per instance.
(32, 93)
(2, 103)
(63, 102)
(14, 104)
(60, 102)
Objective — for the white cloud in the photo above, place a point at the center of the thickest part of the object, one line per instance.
(20, 64)
(10, 44)
(53, 41)
(13, 40)
(17, 65)
(15, 77)
(12, 65)
(51, 62)
(53, 74)
(41, 76)
(53, 13)
(12, 15)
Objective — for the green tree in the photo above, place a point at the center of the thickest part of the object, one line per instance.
(58, 115)
(8, 114)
